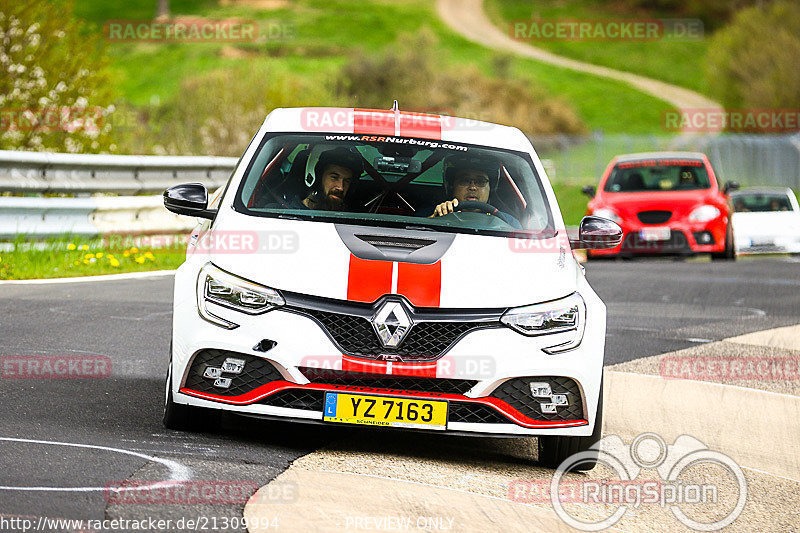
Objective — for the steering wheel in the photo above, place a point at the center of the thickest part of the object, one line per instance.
(489, 209)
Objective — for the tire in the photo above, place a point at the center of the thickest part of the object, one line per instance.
(181, 417)
(729, 254)
(554, 450)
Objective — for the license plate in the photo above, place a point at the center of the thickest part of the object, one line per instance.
(392, 411)
(655, 234)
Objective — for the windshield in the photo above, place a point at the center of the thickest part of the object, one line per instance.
(395, 182)
(658, 175)
(744, 203)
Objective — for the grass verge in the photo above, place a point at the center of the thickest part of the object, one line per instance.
(672, 61)
(66, 257)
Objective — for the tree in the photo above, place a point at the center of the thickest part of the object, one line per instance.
(54, 86)
(752, 62)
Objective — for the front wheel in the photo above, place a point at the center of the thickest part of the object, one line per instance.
(185, 417)
(554, 450)
(729, 253)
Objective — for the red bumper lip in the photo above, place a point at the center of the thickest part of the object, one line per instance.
(268, 389)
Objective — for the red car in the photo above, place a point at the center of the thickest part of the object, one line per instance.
(666, 203)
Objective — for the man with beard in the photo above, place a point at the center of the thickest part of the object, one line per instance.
(334, 175)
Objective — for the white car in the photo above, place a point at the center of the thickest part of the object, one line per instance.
(331, 283)
(766, 220)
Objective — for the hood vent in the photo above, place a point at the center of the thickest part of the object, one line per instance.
(389, 241)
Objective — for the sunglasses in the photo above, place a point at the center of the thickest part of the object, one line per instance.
(478, 182)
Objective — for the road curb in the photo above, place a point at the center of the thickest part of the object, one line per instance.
(328, 501)
(758, 429)
(86, 279)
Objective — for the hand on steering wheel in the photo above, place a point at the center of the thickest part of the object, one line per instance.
(451, 206)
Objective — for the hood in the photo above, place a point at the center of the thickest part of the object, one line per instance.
(465, 271)
(766, 223)
(681, 203)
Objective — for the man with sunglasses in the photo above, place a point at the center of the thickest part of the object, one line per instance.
(471, 179)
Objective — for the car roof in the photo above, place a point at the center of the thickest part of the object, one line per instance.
(382, 122)
(661, 155)
(762, 190)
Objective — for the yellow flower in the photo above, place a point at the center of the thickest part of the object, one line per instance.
(140, 260)
(109, 257)
(114, 262)
(126, 253)
(88, 256)
(85, 247)
(150, 256)
(99, 255)
(134, 250)
(85, 261)
(71, 246)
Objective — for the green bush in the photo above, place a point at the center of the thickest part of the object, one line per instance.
(413, 75)
(752, 62)
(54, 86)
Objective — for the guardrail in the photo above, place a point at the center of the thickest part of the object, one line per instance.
(43, 172)
(38, 218)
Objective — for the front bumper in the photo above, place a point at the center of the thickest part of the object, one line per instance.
(685, 239)
(471, 375)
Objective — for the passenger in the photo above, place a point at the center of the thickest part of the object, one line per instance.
(335, 175)
(471, 179)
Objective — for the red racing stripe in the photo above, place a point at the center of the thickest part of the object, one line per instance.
(351, 364)
(421, 284)
(368, 280)
(420, 125)
(373, 122)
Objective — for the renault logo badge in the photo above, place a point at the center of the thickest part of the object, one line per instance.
(391, 323)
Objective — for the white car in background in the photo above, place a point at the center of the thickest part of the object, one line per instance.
(766, 220)
(371, 311)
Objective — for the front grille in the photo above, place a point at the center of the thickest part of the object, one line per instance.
(677, 243)
(380, 381)
(653, 217)
(307, 400)
(425, 341)
(256, 372)
(517, 393)
(475, 413)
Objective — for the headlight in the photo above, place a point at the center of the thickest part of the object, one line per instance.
(566, 316)
(219, 287)
(704, 213)
(607, 213)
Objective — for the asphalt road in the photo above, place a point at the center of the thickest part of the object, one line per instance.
(654, 307)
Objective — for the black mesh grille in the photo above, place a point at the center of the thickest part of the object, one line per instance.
(475, 413)
(424, 342)
(308, 400)
(517, 393)
(379, 381)
(256, 372)
(654, 217)
(677, 243)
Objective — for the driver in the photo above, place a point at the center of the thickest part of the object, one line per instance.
(687, 177)
(335, 174)
(471, 179)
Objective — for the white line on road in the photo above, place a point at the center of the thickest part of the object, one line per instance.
(178, 472)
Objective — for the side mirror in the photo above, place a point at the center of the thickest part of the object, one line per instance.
(589, 190)
(597, 233)
(730, 186)
(189, 199)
